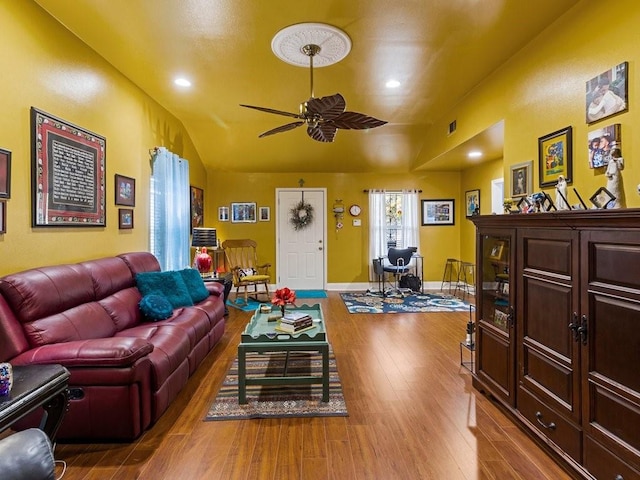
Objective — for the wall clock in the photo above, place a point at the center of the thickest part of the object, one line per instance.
(355, 210)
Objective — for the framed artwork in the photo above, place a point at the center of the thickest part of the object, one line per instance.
(125, 190)
(223, 214)
(472, 202)
(555, 157)
(5, 173)
(197, 207)
(438, 212)
(265, 214)
(607, 93)
(521, 179)
(524, 205)
(602, 198)
(68, 168)
(497, 251)
(243, 212)
(125, 218)
(602, 143)
(3, 217)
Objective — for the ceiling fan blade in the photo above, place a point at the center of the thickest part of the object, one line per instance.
(356, 121)
(281, 128)
(322, 132)
(271, 110)
(328, 107)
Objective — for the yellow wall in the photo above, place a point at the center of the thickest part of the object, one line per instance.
(348, 248)
(542, 89)
(48, 68)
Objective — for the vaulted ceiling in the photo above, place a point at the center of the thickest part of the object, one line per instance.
(437, 49)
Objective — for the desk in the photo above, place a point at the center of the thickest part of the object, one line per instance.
(36, 386)
(379, 272)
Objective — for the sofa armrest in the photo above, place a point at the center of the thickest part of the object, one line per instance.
(215, 288)
(27, 454)
(98, 352)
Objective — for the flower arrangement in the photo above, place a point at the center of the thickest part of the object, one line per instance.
(282, 297)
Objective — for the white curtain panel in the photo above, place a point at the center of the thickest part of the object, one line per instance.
(170, 210)
(377, 221)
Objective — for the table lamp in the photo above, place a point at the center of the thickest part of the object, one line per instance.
(203, 238)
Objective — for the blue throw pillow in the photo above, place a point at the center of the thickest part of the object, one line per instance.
(168, 284)
(195, 284)
(155, 307)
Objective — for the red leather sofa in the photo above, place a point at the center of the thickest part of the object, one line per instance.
(125, 371)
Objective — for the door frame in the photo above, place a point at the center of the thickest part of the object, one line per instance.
(323, 191)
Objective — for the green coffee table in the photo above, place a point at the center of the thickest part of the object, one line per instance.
(261, 336)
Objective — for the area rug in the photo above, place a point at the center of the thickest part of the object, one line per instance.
(358, 302)
(252, 305)
(279, 401)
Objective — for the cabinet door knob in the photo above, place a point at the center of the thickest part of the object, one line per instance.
(619, 477)
(574, 326)
(582, 330)
(548, 426)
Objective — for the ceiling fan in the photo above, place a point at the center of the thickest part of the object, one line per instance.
(323, 116)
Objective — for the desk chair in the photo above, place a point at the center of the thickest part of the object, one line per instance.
(399, 260)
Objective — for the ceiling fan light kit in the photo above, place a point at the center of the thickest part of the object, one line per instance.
(316, 44)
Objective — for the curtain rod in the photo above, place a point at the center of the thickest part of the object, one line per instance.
(367, 191)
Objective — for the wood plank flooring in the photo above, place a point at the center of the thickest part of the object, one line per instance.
(413, 414)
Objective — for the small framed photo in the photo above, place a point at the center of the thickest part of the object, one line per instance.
(438, 212)
(607, 93)
(497, 250)
(5, 173)
(125, 190)
(472, 202)
(500, 318)
(555, 157)
(223, 214)
(125, 218)
(602, 198)
(265, 214)
(3, 217)
(244, 212)
(524, 205)
(521, 180)
(197, 207)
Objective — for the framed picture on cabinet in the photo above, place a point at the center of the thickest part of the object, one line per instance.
(555, 157)
(521, 181)
(125, 190)
(5, 173)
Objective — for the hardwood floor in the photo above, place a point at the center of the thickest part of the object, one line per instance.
(412, 415)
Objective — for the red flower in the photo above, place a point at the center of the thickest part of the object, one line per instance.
(284, 296)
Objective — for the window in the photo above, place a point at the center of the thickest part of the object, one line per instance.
(393, 221)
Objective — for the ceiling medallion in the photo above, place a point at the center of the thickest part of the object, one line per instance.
(289, 43)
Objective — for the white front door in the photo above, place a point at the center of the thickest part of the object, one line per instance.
(301, 254)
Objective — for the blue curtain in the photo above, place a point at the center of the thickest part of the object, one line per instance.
(170, 210)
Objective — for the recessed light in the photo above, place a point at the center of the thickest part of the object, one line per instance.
(392, 84)
(474, 154)
(182, 82)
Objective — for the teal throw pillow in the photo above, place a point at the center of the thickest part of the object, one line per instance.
(195, 284)
(168, 284)
(155, 307)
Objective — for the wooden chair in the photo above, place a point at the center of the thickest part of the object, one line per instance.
(242, 260)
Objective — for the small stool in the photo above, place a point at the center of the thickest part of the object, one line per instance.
(448, 275)
(466, 279)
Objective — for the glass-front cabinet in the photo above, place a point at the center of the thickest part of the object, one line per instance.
(495, 312)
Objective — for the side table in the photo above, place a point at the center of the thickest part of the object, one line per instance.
(227, 281)
(37, 386)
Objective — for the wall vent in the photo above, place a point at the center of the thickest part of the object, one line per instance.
(452, 127)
